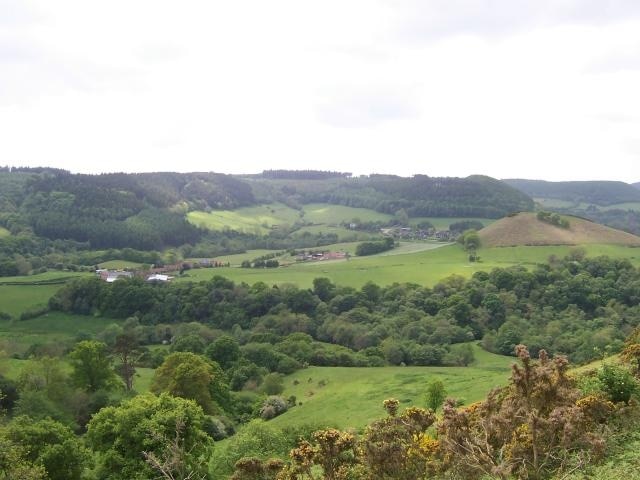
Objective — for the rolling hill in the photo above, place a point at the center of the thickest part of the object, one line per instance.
(526, 229)
(419, 195)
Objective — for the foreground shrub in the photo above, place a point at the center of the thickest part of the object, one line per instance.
(272, 407)
(528, 429)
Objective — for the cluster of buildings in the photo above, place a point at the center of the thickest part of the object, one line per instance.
(314, 256)
(111, 276)
(157, 274)
(410, 233)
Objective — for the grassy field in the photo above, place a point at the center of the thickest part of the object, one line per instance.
(15, 299)
(16, 336)
(344, 234)
(424, 267)
(119, 264)
(442, 223)
(4, 232)
(623, 206)
(11, 368)
(261, 218)
(352, 397)
(258, 220)
(324, 213)
(555, 203)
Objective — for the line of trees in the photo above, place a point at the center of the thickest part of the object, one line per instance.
(576, 306)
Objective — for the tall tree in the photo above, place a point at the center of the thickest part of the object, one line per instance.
(187, 375)
(127, 349)
(92, 366)
(148, 426)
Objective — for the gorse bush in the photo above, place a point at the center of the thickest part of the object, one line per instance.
(536, 426)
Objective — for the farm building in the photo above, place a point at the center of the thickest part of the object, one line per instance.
(111, 276)
(158, 277)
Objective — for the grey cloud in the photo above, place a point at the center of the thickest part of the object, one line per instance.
(365, 109)
(433, 19)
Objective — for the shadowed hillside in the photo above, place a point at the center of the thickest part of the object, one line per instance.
(526, 229)
(595, 192)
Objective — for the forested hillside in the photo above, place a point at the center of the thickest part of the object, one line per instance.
(596, 192)
(419, 196)
(143, 211)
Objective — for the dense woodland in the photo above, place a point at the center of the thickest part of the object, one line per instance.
(419, 196)
(576, 306)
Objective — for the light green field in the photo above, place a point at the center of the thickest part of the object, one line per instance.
(51, 276)
(4, 232)
(257, 220)
(16, 336)
(424, 267)
(143, 379)
(11, 368)
(319, 217)
(119, 264)
(344, 234)
(444, 222)
(15, 299)
(236, 259)
(352, 397)
(327, 214)
(623, 206)
(555, 203)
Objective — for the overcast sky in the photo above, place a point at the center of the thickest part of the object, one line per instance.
(509, 88)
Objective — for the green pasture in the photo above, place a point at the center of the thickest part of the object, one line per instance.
(258, 220)
(119, 264)
(236, 259)
(423, 267)
(52, 276)
(4, 232)
(11, 368)
(344, 234)
(16, 336)
(623, 206)
(317, 217)
(348, 397)
(28, 295)
(442, 223)
(555, 203)
(15, 299)
(327, 214)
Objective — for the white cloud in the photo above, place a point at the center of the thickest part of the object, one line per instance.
(442, 87)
